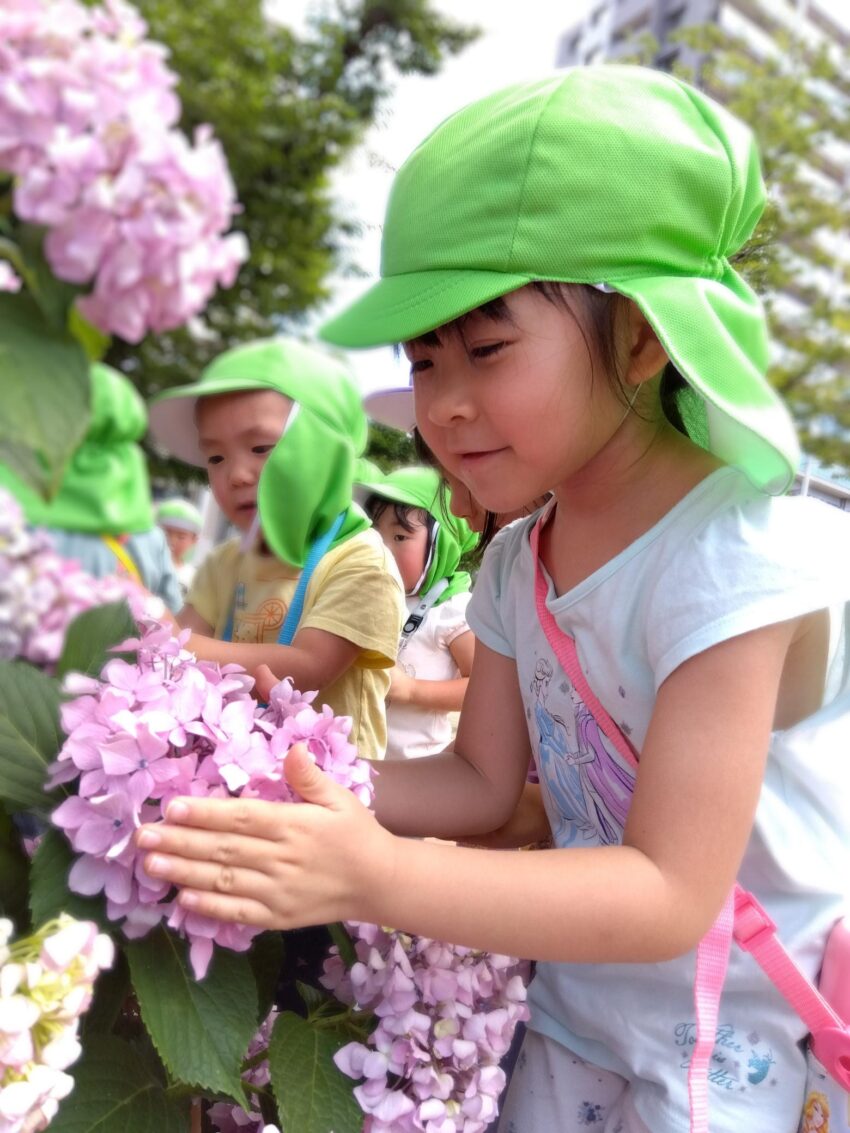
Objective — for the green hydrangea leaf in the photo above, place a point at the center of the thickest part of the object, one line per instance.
(30, 736)
(44, 375)
(116, 1092)
(266, 960)
(49, 892)
(91, 636)
(312, 1095)
(200, 1028)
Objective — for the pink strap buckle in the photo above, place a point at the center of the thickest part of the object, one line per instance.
(753, 926)
(831, 1047)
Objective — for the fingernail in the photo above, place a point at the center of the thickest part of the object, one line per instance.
(188, 900)
(147, 839)
(177, 811)
(156, 864)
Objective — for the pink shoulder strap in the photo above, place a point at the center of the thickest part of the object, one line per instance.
(741, 915)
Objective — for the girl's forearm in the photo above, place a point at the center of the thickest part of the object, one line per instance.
(439, 696)
(440, 796)
(607, 904)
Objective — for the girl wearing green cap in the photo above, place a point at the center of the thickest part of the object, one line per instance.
(668, 639)
(308, 589)
(410, 513)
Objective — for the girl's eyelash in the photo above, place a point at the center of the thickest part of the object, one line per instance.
(261, 449)
(214, 459)
(487, 350)
(421, 364)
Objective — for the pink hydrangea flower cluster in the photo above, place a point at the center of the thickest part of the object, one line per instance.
(41, 593)
(170, 725)
(446, 1018)
(228, 1118)
(46, 983)
(131, 206)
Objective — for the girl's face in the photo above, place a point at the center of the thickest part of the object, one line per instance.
(179, 542)
(236, 433)
(513, 409)
(408, 548)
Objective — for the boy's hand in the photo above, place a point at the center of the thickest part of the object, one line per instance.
(272, 865)
(264, 682)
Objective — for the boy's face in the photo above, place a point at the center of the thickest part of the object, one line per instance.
(236, 433)
(408, 548)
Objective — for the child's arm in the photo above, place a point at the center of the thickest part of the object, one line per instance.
(648, 900)
(314, 660)
(527, 826)
(189, 618)
(438, 696)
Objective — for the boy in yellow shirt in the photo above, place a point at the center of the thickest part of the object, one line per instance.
(309, 589)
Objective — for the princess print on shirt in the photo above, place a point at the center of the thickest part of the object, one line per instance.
(588, 789)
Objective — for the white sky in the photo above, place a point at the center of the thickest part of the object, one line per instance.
(519, 41)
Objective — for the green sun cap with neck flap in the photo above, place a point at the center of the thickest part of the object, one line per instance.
(105, 489)
(307, 480)
(182, 515)
(420, 487)
(603, 175)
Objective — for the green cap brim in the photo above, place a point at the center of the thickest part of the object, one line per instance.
(401, 307)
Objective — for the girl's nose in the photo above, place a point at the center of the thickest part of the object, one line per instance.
(447, 402)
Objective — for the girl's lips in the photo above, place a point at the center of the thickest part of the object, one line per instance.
(477, 457)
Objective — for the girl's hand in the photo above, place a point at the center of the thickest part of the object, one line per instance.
(272, 865)
(401, 686)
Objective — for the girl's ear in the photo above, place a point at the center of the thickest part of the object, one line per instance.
(647, 357)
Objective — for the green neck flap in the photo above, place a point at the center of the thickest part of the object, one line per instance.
(105, 489)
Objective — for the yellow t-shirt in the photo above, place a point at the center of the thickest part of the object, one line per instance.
(355, 592)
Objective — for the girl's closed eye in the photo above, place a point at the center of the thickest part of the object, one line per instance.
(417, 365)
(487, 350)
(261, 450)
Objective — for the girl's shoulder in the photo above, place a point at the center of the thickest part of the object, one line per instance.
(783, 533)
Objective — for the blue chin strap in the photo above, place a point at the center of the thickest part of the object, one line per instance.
(293, 615)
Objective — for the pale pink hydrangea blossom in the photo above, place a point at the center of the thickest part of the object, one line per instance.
(133, 209)
(41, 593)
(446, 1018)
(170, 725)
(46, 983)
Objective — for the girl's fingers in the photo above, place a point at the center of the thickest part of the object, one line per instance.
(203, 844)
(225, 907)
(253, 818)
(207, 876)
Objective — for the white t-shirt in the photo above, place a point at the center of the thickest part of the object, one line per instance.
(724, 561)
(414, 731)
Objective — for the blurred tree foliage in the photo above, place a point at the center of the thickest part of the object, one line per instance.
(797, 101)
(389, 448)
(287, 109)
